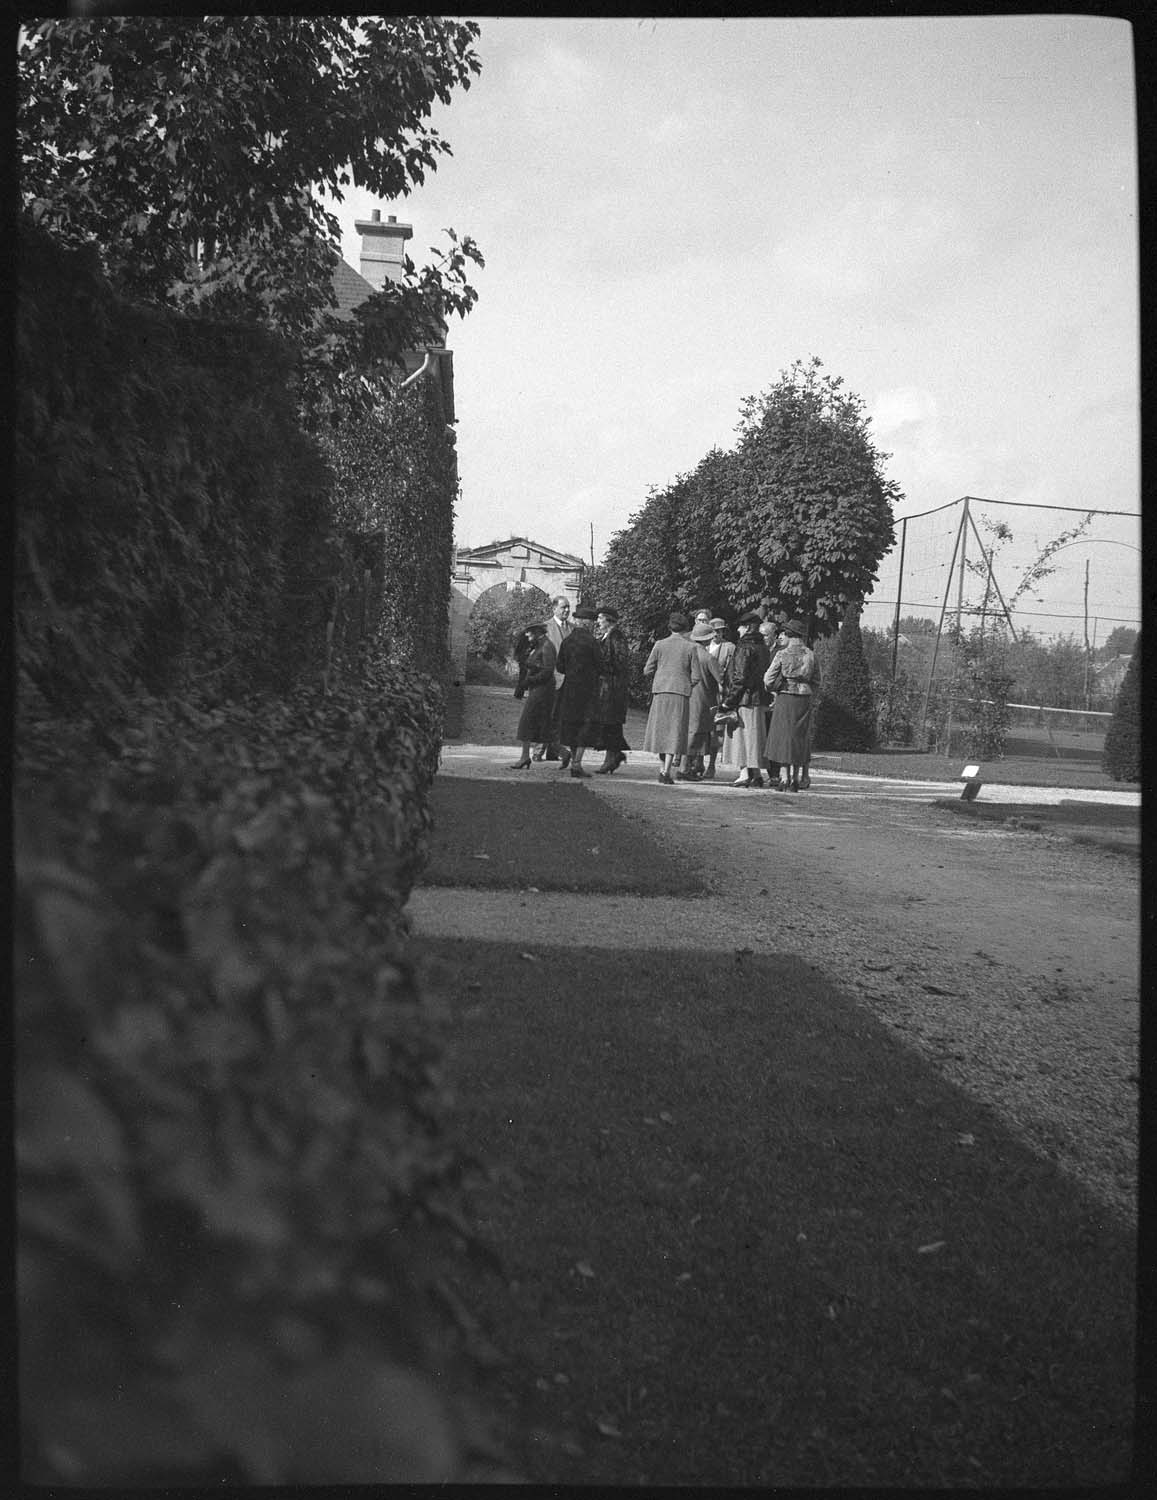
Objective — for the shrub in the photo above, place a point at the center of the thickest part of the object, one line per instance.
(1122, 754)
(229, 1099)
(846, 714)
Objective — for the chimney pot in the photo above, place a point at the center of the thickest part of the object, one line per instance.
(376, 215)
(393, 219)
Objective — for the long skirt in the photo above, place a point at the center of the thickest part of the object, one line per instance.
(607, 736)
(743, 745)
(700, 723)
(535, 720)
(790, 732)
(667, 724)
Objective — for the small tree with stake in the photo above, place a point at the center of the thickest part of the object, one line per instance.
(1122, 755)
(846, 712)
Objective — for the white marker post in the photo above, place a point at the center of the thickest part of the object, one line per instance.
(972, 783)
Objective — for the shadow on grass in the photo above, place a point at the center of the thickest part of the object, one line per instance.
(1104, 825)
(754, 1240)
(555, 836)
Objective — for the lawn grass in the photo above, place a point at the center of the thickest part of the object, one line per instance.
(915, 765)
(549, 835)
(1106, 825)
(754, 1240)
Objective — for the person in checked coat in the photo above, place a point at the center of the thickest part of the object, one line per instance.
(674, 667)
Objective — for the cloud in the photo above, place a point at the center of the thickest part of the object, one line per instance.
(552, 79)
(670, 128)
(869, 245)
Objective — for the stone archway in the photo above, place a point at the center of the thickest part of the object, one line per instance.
(518, 560)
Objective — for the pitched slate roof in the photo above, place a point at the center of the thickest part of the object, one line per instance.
(350, 288)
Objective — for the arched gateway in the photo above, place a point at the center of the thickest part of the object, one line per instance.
(514, 561)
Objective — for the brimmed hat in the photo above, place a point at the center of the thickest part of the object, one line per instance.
(585, 612)
(678, 623)
(537, 625)
(750, 617)
(794, 627)
(702, 633)
(718, 624)
(609, 610)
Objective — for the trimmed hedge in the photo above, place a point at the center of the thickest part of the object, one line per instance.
(232, 1173)
(165, 491)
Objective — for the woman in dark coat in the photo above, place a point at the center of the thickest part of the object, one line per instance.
(534, 653)
(743, 691)
(609, 710)
(578, 663)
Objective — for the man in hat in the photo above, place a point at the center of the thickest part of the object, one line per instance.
(578, 665)
(674, 667)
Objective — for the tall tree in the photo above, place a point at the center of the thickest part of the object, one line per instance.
(809, 516)
(190, 150)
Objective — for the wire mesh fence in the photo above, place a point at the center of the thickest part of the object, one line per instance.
(1001, 623)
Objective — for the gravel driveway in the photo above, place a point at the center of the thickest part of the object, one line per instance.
(1008, 959)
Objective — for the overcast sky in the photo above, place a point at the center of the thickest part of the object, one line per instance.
(944, 210)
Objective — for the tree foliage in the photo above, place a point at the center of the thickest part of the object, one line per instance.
(808, 516)
(190, 151)
(1122, 755)
(846, 711)
(497, 618)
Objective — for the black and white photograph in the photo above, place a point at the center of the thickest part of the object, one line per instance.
(416, 418)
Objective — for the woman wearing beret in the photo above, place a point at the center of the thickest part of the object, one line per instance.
(534, 653)
(673, 665)
(578, 663)
(743, 692)
(609, 710)
(793, 675)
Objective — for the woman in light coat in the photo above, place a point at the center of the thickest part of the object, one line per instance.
(674, 669)
(793, 676)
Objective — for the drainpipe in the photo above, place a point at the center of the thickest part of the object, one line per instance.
(427, 366)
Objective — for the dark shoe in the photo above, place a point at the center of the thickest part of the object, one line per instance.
(578, 771)
(793, 786)
(686, 776)
(666, 780)
(551, 753)
(756, 781)
(564, 758)
(709, 774)
(520, 765)
(804, 782)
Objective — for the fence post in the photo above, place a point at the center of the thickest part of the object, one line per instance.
(940, 625)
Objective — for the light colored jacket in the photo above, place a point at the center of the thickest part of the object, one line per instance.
(674, 663)
(557, 633)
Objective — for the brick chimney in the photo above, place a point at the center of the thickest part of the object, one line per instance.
(383, 248)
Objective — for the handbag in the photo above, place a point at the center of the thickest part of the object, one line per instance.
(726, 718)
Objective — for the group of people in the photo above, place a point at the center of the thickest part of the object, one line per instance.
(573, 676)
(745, 704)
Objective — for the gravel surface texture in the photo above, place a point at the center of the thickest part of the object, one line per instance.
(1008, 959)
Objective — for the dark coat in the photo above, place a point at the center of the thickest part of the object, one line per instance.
(743, 679)
(578, 661)
(536, 684)
(613, 655)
